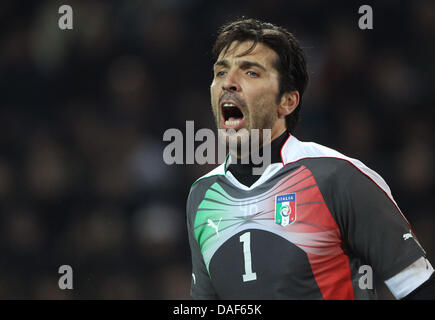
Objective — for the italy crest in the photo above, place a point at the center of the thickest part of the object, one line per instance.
(285, 209)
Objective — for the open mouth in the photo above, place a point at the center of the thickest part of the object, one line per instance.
(232, 116)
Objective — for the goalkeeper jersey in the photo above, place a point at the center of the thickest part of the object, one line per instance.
(306, 229)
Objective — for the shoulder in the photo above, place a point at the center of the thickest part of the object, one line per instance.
(329, 163)
(200, 185)
(218, 171)
(295, 150)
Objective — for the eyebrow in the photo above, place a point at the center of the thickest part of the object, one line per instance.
(244, 64)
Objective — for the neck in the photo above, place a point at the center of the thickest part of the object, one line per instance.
(243, 172)
(275, 150)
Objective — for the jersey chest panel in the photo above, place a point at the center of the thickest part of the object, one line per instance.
(281, 231)
(272, 269)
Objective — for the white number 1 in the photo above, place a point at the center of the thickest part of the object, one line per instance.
(246, 240)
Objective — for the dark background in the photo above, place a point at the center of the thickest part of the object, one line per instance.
(83, 112)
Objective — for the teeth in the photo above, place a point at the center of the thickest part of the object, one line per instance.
(232, 123)
(229, 105)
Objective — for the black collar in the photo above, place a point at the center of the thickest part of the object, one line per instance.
(243, 172)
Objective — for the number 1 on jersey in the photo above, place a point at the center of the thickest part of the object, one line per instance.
(246, 240)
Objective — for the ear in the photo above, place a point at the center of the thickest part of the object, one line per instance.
(289, 102)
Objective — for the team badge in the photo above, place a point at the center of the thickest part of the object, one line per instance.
(285, 209)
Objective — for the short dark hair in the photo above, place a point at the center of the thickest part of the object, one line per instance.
(291, 64)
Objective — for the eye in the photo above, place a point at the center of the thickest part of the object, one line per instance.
(253, 74)
(220, 73)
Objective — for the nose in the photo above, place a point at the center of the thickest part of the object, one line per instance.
(231, 83)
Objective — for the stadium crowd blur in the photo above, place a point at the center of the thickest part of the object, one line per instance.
(83, 112)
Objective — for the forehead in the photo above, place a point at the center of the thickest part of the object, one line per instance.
(261, 53)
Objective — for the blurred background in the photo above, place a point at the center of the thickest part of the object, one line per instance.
(83, 112)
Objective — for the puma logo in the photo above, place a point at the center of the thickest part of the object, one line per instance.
(406, 236)
(216, 227)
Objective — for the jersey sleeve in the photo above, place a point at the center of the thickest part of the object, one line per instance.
(201, 286)
(372, 225)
